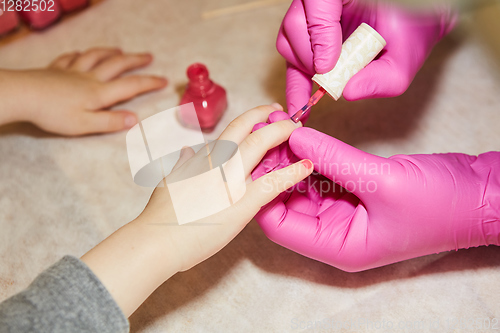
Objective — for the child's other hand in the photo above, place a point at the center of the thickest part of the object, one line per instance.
(195, 242)
(71, 96)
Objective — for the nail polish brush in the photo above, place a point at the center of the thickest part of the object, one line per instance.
(306, 108)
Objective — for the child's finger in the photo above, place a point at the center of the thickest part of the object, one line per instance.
(64, 61)
(242, 126)
(186, 154)
(263, 190)
(277, 106)
(90, 58)
(114, 66)
(128, 87)
(106, 121)
(255, 146)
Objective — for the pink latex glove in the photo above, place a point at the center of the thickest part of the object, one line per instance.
(400, 207)
(311, 35)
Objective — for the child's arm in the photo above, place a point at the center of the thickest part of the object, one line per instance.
(67, 297)
(140, 256)
(79, 296)
(71, 96)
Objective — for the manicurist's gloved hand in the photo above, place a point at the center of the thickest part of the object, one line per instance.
(311, 35)
(398, 208)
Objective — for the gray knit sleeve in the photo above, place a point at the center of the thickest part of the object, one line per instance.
(67, 297)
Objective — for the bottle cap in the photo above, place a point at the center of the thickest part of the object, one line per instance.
(197, 72)
(199, 81)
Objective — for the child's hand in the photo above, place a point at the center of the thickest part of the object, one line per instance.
(139, 257)
(197, 241)
(71, 95)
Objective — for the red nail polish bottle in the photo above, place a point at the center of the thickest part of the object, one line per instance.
(47, 13)
(9, 21)
(209, 99)
(71, 5)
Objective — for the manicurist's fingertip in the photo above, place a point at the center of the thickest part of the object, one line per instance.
(258, 126)
(278, 116)
(321, 67)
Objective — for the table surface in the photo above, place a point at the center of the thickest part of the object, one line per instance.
(64, 195)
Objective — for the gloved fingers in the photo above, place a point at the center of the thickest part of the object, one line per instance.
(286, 156)
(279, 222)
(294, 230)
(258, 126)
(298, 89)
(357, 171)
(255, 145)
(318, 188)
(298, 75)
(278, 116)
(299, 202)
(325, 31)
(384, 77)
(294, 29)
(333, 236)
(344, 229)
(277, 157)
(273, 117)
(285, 49)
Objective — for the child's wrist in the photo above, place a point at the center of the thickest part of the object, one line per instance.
(157, 235)
(13, 101)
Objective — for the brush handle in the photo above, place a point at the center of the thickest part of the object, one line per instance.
(362, 46)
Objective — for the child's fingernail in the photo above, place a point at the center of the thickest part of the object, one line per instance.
(130, 121)
(307, 164)
(277, 106)
(297, 124)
